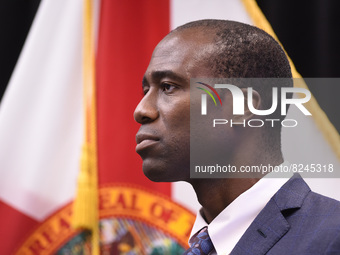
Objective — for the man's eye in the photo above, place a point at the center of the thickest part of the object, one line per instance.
(168, 87)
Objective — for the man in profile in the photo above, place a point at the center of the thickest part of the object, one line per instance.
(252, 215)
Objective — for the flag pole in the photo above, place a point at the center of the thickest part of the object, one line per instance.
(85, 210)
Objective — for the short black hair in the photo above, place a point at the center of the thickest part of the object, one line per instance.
(245, 51)
(242, 50)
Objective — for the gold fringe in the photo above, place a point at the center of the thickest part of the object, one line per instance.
(85, 208)
(84, 214)
(325, 126)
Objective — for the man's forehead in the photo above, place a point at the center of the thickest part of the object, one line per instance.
(180, 50)
(190, 37)
(170, 55)
(172, 44)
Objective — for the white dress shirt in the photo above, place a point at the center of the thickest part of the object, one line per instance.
(229, 226)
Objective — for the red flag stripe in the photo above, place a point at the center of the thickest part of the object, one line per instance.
(10, 222)
(128, 33)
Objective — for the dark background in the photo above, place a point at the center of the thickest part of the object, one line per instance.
(309, 31)
(16, 17)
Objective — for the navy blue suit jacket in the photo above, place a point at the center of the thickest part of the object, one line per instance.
(295, 221)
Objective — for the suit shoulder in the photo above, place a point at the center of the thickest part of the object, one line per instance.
(319, 206)
(322, 201)
(314, 227)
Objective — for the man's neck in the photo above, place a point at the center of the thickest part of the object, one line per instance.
(216, 194)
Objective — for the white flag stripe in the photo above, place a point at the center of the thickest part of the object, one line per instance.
(182, 12)
(41, 114)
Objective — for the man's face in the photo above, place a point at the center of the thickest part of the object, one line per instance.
(163, 140)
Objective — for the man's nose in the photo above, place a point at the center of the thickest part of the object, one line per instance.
(146, 111)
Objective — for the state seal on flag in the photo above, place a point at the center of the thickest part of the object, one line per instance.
(133, 220)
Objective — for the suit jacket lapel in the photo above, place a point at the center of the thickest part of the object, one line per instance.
(270, 225)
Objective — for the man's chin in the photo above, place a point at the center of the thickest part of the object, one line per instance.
(160, 174)
(156, 175)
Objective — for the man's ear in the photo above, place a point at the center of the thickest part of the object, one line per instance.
(256, 103)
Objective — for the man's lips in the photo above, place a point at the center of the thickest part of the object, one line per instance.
(144, 141)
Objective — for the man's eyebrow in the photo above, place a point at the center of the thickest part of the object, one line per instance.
(157, 75)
